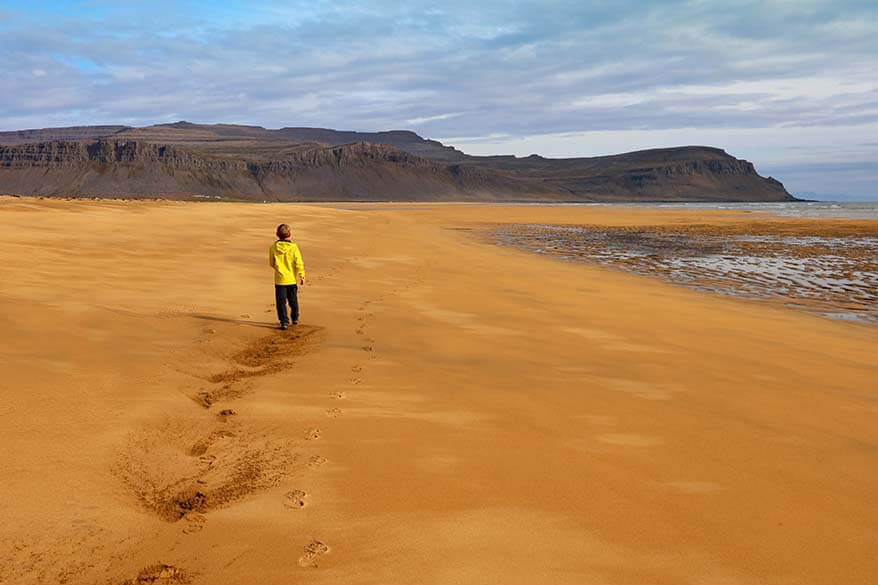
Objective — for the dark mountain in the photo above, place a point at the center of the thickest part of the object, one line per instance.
(360, 171)
(184, 160)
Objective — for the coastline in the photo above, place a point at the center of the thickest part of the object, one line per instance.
(458, 412)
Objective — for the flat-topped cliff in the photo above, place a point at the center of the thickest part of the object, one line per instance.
(184, 160)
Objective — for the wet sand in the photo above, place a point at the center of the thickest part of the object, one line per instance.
(827, 267)
(449, 411)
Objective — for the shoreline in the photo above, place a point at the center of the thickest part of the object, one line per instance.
(221, 199)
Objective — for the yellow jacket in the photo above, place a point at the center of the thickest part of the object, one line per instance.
(285, 258)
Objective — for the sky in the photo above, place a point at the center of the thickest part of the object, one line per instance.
(791, 85)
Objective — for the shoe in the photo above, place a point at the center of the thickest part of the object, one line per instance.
(295, 322)
(284, 326)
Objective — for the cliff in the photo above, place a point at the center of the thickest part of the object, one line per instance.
(359, 171)
(184, 160)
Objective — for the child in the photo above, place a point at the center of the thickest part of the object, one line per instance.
(285, 258)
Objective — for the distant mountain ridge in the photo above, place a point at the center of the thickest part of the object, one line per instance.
(185, 160)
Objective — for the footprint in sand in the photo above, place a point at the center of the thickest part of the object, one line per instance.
(201, 446)
(312, 434)
(333, 412)
(194, 522)
(356, 374)
(159, 574)
(337, 395)
(228, 391)
(313, 551)
(221, 467)
(295, 499)
(316, 461)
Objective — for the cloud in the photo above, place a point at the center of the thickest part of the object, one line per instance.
(523, 69)
(425, 119)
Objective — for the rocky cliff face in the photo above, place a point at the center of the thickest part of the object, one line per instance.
(63, 154)
(185, 160)
(360, 171)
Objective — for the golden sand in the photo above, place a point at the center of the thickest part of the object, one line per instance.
(448, 411)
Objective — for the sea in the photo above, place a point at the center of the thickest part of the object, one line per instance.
(815, 209)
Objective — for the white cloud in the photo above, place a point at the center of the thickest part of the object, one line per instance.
(611, 100)
(425, 119)
(809, 87)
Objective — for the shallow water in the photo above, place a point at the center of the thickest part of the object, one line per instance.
(827, 275)
(803, 209)
(816, 209)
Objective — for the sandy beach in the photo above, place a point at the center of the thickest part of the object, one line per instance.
(447, 412)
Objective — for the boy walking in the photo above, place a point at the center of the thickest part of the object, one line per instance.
(289, 272)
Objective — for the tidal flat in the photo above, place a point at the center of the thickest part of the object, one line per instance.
(829, 267)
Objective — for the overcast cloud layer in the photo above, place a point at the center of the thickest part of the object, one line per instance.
(791, 85)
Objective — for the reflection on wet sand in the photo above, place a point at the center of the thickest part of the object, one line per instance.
(827, 268)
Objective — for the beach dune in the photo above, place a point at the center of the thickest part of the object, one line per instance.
(448, 411)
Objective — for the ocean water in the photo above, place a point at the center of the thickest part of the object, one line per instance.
(816, 209)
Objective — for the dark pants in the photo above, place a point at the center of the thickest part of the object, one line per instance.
(282, 294)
